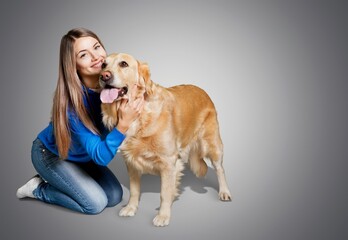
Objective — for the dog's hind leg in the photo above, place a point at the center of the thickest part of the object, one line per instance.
(215, 154)
(213, 149)
(224, 193)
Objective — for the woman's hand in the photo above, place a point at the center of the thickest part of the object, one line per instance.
(129, 111)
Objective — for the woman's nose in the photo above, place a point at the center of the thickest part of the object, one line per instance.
(95, 56)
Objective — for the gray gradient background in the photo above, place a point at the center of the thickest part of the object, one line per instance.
(277, 72)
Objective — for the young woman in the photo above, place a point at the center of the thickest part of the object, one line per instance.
(72, 153)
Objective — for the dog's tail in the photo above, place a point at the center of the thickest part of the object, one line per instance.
(197, 164)
(199, 167)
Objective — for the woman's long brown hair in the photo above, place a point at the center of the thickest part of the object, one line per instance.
(69, 92)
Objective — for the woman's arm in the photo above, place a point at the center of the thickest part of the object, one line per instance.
(101, 151)
(129, 111)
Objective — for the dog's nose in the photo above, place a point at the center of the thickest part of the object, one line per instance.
(105, 76)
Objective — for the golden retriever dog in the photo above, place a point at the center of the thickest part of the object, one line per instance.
(177, 125)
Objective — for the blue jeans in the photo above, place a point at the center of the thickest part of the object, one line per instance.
(82, 187)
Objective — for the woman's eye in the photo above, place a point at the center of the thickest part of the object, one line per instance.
(83, 55)
(96, 47)
(123, 64)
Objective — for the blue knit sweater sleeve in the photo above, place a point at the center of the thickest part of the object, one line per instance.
(100, 149)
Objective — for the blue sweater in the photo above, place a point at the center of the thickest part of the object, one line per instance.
(85, 145)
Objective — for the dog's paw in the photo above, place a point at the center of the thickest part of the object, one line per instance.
(225, 196)
(161, 220)
(127, 211)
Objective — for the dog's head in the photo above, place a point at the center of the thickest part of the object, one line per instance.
(120, 72)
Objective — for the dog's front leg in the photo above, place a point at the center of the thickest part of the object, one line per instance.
(134, 187)
(168, 190)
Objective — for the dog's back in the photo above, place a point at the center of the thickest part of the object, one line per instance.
(192, 107)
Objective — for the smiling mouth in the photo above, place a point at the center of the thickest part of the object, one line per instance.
(109, 94)
(98, 64)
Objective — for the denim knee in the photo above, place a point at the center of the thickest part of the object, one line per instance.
(115, 197)
(96, 205)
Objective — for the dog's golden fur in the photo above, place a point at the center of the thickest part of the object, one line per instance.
(178, 125)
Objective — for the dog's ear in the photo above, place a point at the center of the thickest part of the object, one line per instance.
(144, 77)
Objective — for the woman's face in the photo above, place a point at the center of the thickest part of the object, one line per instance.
(90, 56)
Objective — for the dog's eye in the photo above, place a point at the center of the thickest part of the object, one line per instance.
(123, 64)
(103, 65)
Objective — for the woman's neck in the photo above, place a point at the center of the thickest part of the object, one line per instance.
(91, 82)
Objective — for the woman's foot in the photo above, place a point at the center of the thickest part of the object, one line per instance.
(27, 189)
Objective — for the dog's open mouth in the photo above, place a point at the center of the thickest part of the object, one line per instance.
(109, 94)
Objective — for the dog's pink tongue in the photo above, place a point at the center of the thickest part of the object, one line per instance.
(108, 95)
